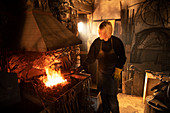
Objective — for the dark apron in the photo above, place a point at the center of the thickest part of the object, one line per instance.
(106, 66)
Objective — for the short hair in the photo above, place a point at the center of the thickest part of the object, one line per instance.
(107, 26)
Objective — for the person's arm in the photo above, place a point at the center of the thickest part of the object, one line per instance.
(120, 51)
(92, 54)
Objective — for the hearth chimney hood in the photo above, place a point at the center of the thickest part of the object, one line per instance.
(43, 32)
(24, 27)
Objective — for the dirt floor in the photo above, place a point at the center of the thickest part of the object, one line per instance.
(130, 103)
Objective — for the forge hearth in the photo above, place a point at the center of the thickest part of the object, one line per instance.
(72, 97)
(69, 97)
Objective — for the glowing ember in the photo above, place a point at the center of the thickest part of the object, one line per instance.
(53, 78)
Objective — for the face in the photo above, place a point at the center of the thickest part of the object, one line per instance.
(102, 34)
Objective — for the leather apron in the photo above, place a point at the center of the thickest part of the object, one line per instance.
(106, 66)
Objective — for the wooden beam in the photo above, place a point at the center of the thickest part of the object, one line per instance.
(82, 6)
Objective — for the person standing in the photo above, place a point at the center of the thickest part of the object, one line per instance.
(110, 53)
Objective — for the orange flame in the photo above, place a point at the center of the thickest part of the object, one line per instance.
(53, 78)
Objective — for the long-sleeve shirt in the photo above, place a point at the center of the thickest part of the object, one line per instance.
(106, 46)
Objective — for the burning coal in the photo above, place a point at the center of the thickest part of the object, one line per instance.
(53, 78)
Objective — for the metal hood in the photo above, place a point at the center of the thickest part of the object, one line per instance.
(42, 32)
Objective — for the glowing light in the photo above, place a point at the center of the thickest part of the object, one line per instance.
(80, 26)
(53, 78)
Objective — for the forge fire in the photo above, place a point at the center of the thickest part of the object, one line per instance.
(53, 78)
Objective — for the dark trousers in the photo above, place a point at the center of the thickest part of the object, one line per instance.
(110, 103)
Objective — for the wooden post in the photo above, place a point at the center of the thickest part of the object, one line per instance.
(150, 81)
(123, 80)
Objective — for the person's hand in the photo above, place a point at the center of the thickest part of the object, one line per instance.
(78, 69)
(117, 73)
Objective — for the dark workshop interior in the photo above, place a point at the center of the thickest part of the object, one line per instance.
(42, 42)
